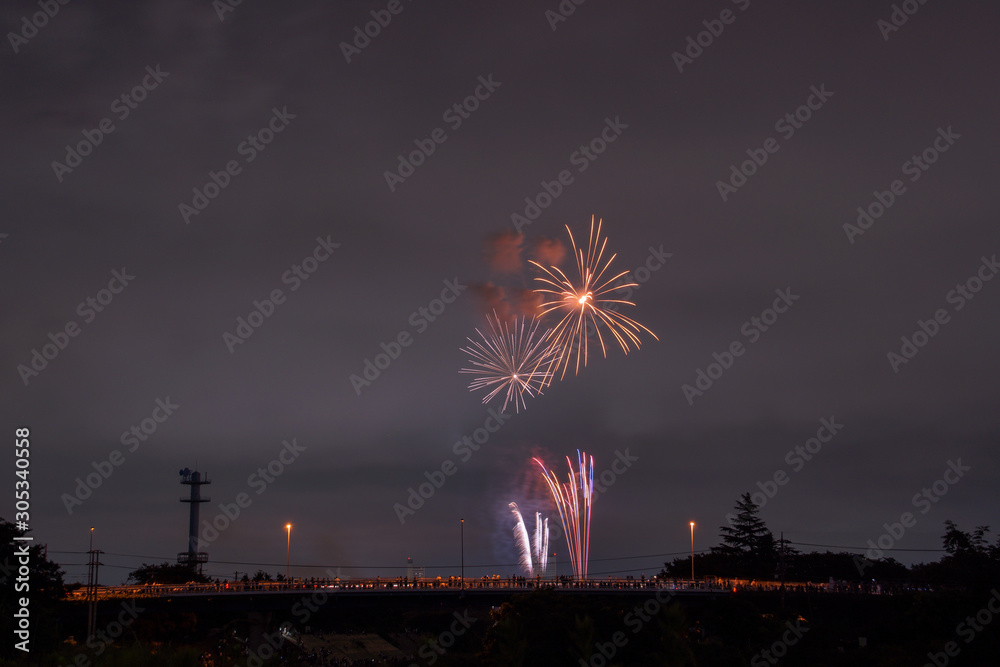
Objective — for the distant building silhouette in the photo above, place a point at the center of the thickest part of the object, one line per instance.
(413, 571)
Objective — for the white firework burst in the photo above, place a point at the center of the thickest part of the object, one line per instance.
(512, 360)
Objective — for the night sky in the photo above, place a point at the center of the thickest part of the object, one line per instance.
(728, 171)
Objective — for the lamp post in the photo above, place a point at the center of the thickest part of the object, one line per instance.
(288, 552)
(463, 553)
(692, 551)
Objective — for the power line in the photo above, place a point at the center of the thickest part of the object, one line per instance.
(840, 546)
(452, 565)
(379, 567)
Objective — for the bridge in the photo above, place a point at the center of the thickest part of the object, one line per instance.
(453, 585)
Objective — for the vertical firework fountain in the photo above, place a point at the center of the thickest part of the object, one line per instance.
(541, 544)
(521, 540)
(574, 501)
(534, 554)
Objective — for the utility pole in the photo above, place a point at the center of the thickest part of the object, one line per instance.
(92, 575)
(782, 569)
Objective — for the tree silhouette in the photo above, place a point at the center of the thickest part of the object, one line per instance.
(746, 541)
(748, 549)
(166, 573)
(43, 586)
(959, 543)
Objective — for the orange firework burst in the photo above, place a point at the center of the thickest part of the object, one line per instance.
(586, 303)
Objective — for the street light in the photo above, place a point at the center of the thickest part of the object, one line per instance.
(288, 552)
(692, 551)
(463, 553)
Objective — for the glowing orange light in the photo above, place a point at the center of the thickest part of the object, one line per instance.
(589, 304)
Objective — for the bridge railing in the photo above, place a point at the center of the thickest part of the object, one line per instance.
(454, 583)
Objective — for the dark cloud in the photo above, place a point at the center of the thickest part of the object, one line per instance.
(548, 252)
(502, 252)
(494, 300)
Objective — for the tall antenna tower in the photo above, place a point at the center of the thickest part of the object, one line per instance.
(192, 556)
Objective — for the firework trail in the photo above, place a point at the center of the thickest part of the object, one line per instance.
(574, 501)
(534, 555)
(512, 360)
(541, 544)
(586, 303)
(521, 539)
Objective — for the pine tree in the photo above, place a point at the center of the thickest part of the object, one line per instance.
(747, 542)
(746, 533)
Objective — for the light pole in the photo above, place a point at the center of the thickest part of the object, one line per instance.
(288, 552)
(463, 553)
(692, 551)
